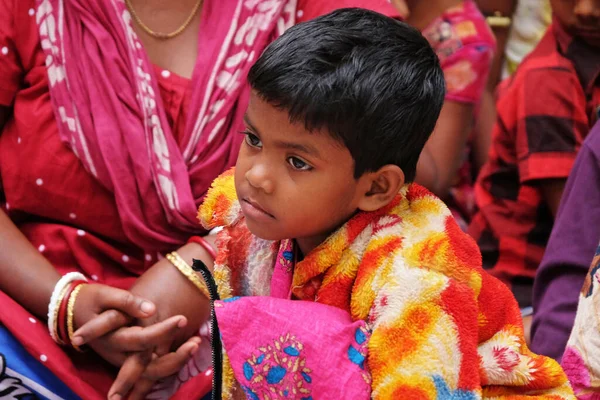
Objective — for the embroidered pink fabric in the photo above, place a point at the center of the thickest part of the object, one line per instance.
(281, 281)
(294, 349)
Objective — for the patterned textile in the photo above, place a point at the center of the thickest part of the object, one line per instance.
(109, 112)
(465, 46)
(581, 360)
(275, 347)
(441, 326)
(544, 112)
(25, 378)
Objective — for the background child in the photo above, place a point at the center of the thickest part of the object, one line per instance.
(354, 282)
(464, 43)
(544, 112)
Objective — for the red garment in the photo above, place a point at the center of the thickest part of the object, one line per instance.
(544, 113)
(60, 208)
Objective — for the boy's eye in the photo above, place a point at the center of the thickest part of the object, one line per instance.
(253, 140)
(298, 164)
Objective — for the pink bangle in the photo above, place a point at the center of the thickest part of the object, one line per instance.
(202, 242)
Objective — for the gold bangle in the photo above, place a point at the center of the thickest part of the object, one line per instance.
(183, 267)
(70, 314)
(56, 311)
(498, 20)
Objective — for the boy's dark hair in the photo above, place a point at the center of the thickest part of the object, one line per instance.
(372, 82)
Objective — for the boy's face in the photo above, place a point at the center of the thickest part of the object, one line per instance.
(292, 183)
(581, 18)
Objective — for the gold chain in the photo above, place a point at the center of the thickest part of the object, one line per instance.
(160, 35)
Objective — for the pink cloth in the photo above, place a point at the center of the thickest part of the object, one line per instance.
(293, 349)
(281, 281)
(465, 45)
(95, 62)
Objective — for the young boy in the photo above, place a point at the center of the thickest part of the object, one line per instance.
(320, 209)
(544, 112)
(339, 279)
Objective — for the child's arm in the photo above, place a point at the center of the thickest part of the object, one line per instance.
(466, 73)
(442, 156)
(552, 190)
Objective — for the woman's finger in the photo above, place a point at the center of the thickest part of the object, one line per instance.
(129, 374)
(141, 389)
(171, 363)
(136, 338)
(99, 326)
(125, 301)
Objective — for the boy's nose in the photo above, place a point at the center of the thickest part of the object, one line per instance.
(258, 177)
(588, 12)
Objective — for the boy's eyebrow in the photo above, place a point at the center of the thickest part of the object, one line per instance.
(247, 121)
(304, 148)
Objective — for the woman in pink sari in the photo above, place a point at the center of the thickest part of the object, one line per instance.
(115, 116)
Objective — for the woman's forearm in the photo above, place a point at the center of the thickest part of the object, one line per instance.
(25, 275)
(173, 294)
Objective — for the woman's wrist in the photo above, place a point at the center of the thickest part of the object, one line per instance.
(173, 293)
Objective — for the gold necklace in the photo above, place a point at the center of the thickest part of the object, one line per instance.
(160, 35)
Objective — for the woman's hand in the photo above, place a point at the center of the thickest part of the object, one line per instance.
(140, 371)
(107, 310)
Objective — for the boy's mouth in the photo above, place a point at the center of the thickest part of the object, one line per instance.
(254, 210)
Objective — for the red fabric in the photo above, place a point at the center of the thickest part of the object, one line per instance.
(58, 206)
(544, 113)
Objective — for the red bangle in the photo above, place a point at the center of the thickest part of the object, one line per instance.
(62, 313)
(202, 242)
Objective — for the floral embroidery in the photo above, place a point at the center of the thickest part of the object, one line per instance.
(278, 371)
(286, 257)
(281, 281)
(358, 353)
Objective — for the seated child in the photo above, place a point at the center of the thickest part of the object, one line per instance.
(464, 43)
(545, 110)
(320, 208)
(339, 278)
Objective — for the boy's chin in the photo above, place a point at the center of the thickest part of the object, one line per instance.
(263, 232)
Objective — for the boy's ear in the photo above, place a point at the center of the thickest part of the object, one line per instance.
(381, 187)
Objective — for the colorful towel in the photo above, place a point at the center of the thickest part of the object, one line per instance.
(440, 327)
